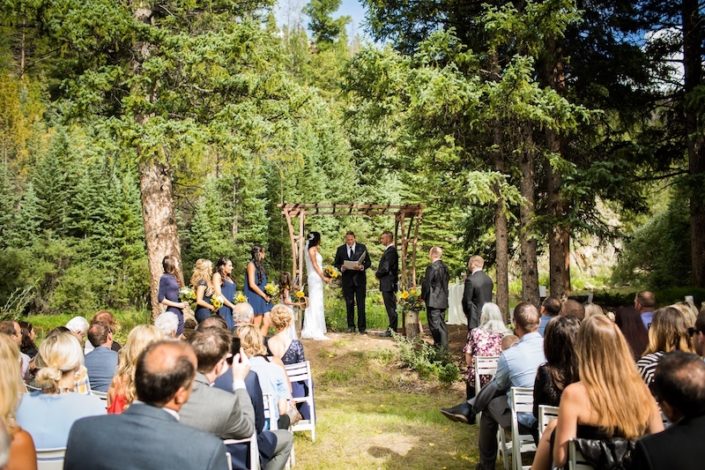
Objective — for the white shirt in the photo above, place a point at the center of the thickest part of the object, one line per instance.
(351, 250)
(389, 246)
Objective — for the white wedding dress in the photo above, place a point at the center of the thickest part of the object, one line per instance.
(314, 318)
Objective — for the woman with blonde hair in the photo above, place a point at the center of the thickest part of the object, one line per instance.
(49, 414)
(22, 453)
(122, 389)
(202, 284)
(272, 377)
(610, 399)
(288, 350)
(668, 332)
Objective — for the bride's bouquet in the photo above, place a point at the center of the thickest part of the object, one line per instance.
(333, 273)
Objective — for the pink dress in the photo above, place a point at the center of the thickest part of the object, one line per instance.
(482, 343)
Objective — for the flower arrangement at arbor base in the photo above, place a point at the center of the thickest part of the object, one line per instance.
(411, 304)
(272, 290)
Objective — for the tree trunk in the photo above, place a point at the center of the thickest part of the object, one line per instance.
(692, 71)
(160, 229)
(527, 217)
(559, 234)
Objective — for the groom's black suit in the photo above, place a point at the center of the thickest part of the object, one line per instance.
(354, 283)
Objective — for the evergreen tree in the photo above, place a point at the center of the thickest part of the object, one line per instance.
(27, 221)
(7, 206)
(326, 30)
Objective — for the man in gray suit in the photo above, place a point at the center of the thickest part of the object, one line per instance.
(102, 362)
(478, 291)
(148, 435)
(227, 415)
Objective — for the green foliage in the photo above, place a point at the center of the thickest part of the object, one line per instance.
(427, 361)
(324, 27)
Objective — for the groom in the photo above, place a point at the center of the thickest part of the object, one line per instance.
(354, 280)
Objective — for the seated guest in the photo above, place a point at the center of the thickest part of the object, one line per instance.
(609, 400)
(101, 363)
(289, 351)
(49, 414)
(516, 368)
(79, 327)
(679, 383)
(668, 332)
(561, 367)
(212, 322)
(122, 389)
(573, 308)
(698, 334)
(485, 340)
(227, 415)
(243, 314)
(14, 331)
(509, 341)
(148, 435)
(106, 317)
(688, 310)
(28, 346)
(272, 376)
(20, 446)
(550, 308)
(168, 323)
(274, 446)
(593, 309)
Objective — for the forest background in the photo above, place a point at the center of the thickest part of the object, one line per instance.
(528, 129)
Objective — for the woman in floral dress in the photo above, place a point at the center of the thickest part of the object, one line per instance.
(485, 340)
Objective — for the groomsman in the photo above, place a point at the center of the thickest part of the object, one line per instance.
(388, 275)
(478, 291)
(434, 291)
(354, 281)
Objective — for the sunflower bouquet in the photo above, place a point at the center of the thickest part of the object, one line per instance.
(410, 300)
(240, 298)
(272, 290)
(217, 301)
(186, 294)
(299, 295)
(333, 273)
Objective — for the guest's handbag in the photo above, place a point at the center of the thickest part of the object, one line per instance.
(293, 413)
(608, 454)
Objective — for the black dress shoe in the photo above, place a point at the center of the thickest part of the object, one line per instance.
(351, 330)
(461, 413)
(363, 332)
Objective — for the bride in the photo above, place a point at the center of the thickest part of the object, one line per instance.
(314, 318)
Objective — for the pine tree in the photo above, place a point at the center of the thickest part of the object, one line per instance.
(26, 225)
(7, 206)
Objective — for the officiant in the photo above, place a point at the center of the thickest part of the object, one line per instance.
(352, 259)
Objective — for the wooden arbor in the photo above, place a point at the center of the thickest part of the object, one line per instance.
(407, 218)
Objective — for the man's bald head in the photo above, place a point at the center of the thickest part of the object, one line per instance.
(164, 369)
(679, 381)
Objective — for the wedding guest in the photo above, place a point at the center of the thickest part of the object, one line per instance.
(81, 382)
(509, 341)
(168, 324)
(289, 351)
(477, 291)
(573, 308)
(20, 446)
(698, 334)
(168, 294)
(609, 400)
(79, 327)
(388, 275)
(550, 308)
(688, 310)
(14, 331)
(593, 309)
(28, 345)
(101, 363)
(561, 367)
(271, 376)
(106, 317)
(255, 282)
(48, 414)
(485, 340)
(122, 389)
(629, 322)
(434, 291)
(243, 314)
(202, 284)
(668, 332)
(225, 286)
(285, 288)
(679, 383)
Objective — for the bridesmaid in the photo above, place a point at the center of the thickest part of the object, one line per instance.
(255, 280)
(202, 283)
(168, 294)
(225, 286)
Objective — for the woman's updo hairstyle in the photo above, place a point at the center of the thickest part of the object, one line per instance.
(313, 239)
(60, 354)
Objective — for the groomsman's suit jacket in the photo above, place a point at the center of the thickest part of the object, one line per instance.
(478, 291)
(144, 437)
(434, 288)
(353, 279)
(388, 270)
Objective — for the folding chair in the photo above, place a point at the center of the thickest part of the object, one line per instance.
(576, 461)
(546, 415)
(301, 372)
(268, 401)
(484, 365)
(51, 459)
(101, 395)
(521, 401)
(253, 450)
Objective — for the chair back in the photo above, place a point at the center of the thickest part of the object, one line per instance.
(253, 451)
(51, 459)
(269, 405)
(101, 395)
(546, 415)
(301, 372)
(576, 461)
(522, 401)
(484, 365)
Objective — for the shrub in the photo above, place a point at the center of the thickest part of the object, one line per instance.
(427, 361)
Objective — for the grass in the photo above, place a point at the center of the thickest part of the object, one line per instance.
(126, 319)
(372, 414)
(375, 314)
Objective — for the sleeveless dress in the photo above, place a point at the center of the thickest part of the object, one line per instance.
(259, 305)
(228, 289)
(314, 316)
(202, 312)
